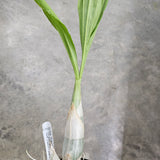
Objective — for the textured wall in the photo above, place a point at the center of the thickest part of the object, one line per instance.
(120, 85)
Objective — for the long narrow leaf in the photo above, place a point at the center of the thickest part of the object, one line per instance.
(61, 28)
(90, 14)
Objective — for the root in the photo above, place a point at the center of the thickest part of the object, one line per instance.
(29, 155)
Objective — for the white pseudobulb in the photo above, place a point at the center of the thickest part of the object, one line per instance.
(74, 126)
(74, 134)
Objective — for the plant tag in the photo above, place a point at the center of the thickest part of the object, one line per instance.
(48, 138)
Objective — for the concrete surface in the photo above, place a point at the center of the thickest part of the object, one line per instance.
(120, 86)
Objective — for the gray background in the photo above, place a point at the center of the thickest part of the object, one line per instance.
(120, 85)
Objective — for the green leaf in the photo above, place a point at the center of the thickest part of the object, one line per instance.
(61, 28)
(90, 14)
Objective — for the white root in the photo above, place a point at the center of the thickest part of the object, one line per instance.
(29, 155)
(53, 153)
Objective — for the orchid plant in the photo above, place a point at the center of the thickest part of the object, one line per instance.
(90, 14)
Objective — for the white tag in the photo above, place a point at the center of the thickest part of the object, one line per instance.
(48, 138)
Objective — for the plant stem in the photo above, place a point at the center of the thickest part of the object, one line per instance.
(74, 130)
(76, 97)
